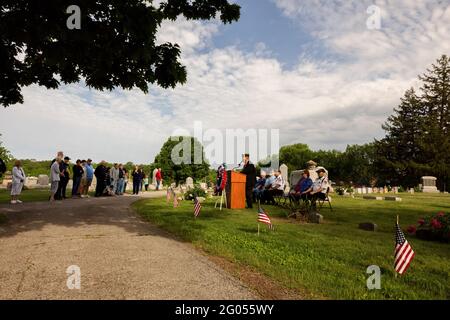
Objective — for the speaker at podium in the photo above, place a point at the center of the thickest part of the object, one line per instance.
(235, 190)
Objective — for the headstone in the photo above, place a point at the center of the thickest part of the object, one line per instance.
(295, 177)
(373, 198)
(429, 185)
(284, 173)
(31, 181)
(411, 191)
(204, 186)
(393, 199)
(189, 182)
(154, 176)
(368, 226)
(369, 190)
(360, 190)
(7, 178)
(315, 217)
(43, 180)
(312, 167)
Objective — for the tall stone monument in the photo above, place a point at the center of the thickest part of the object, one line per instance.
(154, 176)
(284, 173)
(429, 184)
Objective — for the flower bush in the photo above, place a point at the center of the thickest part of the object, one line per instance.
(189, 194)
(435, 227)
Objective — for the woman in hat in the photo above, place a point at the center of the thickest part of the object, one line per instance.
(18, 180)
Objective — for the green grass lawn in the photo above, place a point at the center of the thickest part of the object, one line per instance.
(26, 196)
(323, 261)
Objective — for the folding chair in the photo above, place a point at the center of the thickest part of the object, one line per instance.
(327, 199)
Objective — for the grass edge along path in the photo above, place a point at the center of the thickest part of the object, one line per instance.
(327, 260)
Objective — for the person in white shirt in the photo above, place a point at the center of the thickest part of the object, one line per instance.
(18, 180)
(114, 173)
(55, 177)
(319, 188)
(276, 188)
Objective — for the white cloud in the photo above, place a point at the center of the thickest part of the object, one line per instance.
(327, 103)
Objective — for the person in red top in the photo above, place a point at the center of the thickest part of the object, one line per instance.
(158, 177)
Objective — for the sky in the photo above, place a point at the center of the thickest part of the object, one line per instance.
(322, 72)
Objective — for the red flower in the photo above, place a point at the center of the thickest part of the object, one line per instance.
(411, 230)
(421, 222)
(441, 214)
(436, 224)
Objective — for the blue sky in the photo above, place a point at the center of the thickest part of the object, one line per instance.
(264, 22)
(316, 70)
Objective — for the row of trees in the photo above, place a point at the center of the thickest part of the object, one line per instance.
(353, 166)
(417, 141)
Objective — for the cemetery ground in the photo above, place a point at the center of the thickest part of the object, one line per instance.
(296, 261)
(326, 261)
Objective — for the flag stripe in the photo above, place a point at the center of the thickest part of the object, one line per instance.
(404, 253)
(409, 262)
(406, 263)
(263, 217)
(401, 260)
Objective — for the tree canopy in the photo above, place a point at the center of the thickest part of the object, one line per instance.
(417, 141)
(5, 155)
(179, 172)
(114, 47)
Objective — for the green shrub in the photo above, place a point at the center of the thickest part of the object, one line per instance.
(189, 194)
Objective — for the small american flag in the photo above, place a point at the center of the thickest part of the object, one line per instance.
(197, 207)
(264, 218)
(403, 251)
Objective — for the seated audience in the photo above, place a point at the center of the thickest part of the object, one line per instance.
(259, 187)
(301, 189)
(319, 188)
(275, 189)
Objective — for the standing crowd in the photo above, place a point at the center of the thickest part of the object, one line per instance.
(110, 181)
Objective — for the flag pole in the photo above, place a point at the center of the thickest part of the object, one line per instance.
(258, 229)
(395, 274)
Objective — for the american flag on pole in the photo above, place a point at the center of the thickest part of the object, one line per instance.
(403, 251)
(264, 218)
(197, 206)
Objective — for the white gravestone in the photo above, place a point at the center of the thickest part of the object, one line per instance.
(429, 184)
(189, 182)
(154, 177)
(43, 180)
(284, 173)
(31, 182)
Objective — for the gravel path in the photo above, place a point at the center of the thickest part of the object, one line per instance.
(119, 256)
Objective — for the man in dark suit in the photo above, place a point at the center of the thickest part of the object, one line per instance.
(100, 173)
(250, 171)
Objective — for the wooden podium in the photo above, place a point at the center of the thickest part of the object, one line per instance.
(235, 190)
